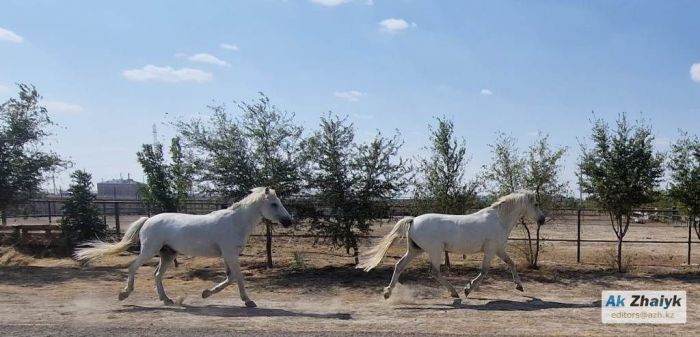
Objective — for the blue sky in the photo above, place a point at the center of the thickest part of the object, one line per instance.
(108, 71)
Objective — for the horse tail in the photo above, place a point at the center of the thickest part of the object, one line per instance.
(374, 256)
(101, 248)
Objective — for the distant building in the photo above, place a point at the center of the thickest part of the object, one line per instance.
(118, 189)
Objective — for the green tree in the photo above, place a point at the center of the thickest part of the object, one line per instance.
(81, 220)
(353, 182)
(159, 189)
(543, 167)
(276, 156)
(507, 170)
(538, 170)
(182, 172)
(167, 184)
(684, 163)
(621, 171)
(223, 162)
(261, 147)
(442, 186)
(24, 129)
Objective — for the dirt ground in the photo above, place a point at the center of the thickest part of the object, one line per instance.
(316, 291)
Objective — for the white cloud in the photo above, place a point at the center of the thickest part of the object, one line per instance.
(393, 25)
(350, 96)
(208, 58)
(486, 92)
(166, 74)
(229, 46)
(330, 3)
(10, 36)
(695, 72)
(63, 107)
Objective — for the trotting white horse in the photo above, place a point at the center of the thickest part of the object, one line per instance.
(219, 233)
(484, 231)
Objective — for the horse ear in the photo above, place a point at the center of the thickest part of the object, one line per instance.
(267, 190)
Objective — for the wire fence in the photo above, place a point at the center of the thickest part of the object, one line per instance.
(36, 223)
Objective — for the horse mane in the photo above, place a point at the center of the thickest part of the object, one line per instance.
(507, 204)
(256, 195)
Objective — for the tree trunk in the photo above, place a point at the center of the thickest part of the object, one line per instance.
(529, 255)
(619, 245)
(268, 244)
(3, 216)
(355, 254)
(619, 254)
(536, 257)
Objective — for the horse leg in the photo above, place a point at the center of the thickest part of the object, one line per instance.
(166, 259)
(221, 286)
(147, 252)
(411, 253)
(435, 260)
(485, 265)
(504, 256)
(231, 258)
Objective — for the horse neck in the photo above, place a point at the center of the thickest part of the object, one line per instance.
(511, 216)
(251, 215)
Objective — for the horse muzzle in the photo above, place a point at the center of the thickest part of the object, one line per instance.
(540, 221)
(286, 222)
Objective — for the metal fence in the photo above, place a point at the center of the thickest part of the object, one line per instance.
(38, 216)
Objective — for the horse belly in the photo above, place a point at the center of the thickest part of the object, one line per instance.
(193, 245)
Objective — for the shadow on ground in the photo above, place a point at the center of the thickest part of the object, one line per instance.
(227, 311)
(30, 276)
(532, 304)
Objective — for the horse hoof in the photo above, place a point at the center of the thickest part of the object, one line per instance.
(387, 295)
(519, 287)
(250, 304)
(466, 291)
(168, 301)
(206, 293)
(457, 301)
(123, 295)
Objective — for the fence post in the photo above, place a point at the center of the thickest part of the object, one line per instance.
(104, 213)
(690, 238)
(48, 202)
(116, 218)
(578, 237)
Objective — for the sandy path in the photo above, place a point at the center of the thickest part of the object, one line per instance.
(60, 299)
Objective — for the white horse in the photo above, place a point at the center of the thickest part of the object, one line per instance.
(484, 231)
(219, 233)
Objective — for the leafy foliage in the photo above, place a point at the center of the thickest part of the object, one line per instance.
(260, 148)
(24, 127)
(81, 220)
(352, 182)
(684, 163)
(621, 171)
(506, 173)
(442, 186)
(538, 170)
(167, 185)
(223, 164)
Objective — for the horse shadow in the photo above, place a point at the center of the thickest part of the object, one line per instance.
(532, 304)
(228, 311)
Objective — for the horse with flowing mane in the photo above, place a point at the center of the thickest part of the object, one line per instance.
(219, 233)
(485, 231)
